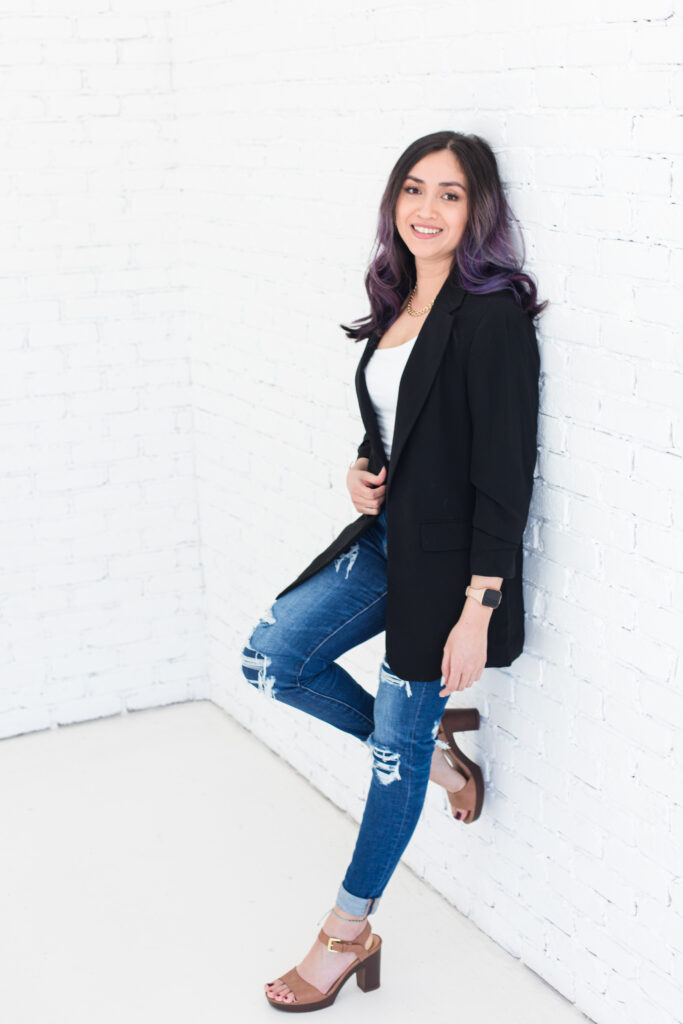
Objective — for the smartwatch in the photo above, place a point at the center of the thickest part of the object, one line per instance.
(488, 596)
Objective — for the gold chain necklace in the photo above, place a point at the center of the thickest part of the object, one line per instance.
(417, 312)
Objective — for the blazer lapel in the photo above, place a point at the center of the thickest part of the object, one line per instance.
(367, 411)
(417, 377)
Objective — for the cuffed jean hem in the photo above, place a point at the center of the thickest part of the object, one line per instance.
(359, 906)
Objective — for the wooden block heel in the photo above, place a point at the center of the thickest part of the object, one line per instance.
(467, 803)
(462, 719)
(367, 974)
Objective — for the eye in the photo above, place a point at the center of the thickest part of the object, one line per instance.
(410, 188)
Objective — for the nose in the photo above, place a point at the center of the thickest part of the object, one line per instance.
(426, 209)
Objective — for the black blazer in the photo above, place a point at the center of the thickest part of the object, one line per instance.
(460, 477)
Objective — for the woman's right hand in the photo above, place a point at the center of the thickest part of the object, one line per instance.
(367, 490)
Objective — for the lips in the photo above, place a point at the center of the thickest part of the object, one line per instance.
(429, 233)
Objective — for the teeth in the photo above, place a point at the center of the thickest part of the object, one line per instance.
(427, 231)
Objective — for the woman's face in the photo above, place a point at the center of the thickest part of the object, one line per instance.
(433, 195)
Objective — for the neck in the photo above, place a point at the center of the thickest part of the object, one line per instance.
(430, 279)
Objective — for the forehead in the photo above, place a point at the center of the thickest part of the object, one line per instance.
(437, 167)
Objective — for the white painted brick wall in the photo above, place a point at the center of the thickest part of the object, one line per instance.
(101, 589)
(189, 196)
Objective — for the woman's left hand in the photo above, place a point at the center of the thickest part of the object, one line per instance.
(464, 655)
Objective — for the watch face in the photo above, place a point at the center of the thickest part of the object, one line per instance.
(491, 598)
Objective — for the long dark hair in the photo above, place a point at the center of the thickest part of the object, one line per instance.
(487, 259)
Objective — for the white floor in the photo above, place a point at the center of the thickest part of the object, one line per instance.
(148, 875)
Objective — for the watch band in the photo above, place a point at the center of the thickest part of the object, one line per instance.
(488, 596)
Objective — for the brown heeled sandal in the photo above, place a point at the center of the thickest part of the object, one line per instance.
(467, 803)
(367, 946)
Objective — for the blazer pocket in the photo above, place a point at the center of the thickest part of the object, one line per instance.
(446, 535)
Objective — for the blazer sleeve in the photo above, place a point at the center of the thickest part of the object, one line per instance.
(502, 386)
(364, 448)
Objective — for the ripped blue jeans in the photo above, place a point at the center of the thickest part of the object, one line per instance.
(290, 657)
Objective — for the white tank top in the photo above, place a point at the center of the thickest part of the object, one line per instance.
(383, 372)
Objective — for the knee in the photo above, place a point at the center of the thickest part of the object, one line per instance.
(394, 760)
(268, 671)
(257, 663)
(271, 661)
(257, 670)
(386, 762)
(398, 751)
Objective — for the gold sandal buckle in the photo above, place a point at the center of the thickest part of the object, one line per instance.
(330, 940)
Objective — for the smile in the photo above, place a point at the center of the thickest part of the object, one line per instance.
(425, 232)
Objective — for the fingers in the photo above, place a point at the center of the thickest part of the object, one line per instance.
(366, 495)
(369, 499)
(365, 499)
(446, 688)
(372, 476)
(370, 496)
(368, 507)
(464, 682)
(457, 680)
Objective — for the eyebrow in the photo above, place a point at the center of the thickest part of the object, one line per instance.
(459, 184)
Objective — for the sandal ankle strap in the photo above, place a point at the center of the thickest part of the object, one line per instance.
(336, 945)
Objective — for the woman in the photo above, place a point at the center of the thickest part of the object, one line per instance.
(448, 392)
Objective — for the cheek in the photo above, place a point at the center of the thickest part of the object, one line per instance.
(401, 210)
(459, 219)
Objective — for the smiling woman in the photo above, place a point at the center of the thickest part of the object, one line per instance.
(447, 387)
(448, 181)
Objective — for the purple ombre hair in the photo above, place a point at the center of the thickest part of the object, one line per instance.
(487, 259)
